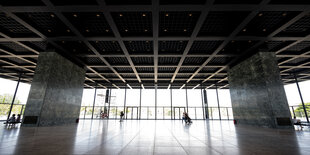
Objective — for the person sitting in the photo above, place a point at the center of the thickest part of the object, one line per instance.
(18, 119)
(188, 120)
(297, 122)
(12, 119)
(183, 117)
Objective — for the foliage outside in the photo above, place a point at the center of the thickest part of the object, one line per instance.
(299, 111)
(4, 108)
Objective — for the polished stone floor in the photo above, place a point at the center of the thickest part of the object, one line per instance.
(133, 137)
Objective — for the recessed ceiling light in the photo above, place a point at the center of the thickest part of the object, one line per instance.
(74, 15)
(250, 41)
(165, 30)
(184, 30)
(145, 30)
(144, 15)
(190, 14)
(121, 15)
(147, 41)
(244, 30)
(49, 30)
(87, 30)
(52, 15)
(107, 30)
(260, 14)
(97, 15)
(284, 14)
(167, 14)
(68, 30)
(126, 30)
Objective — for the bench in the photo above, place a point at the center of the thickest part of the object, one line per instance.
(11, 123)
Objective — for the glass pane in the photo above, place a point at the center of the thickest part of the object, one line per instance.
(88, 97)
(163, 97)
(89, 111)
(224, 97)
(194, 98)
(178, 98)
(128, 113)
(167, 114)
(97, 111)
(199, 113)
(191, 113)
(82, 112)
(117, 100)
(151, 113)
(160, 113)
(143, 113)
(4, 111)
(135, 113)
(133, 97)
(148, 97)
(224, 113)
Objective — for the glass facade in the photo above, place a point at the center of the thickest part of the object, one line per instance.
(160, 104)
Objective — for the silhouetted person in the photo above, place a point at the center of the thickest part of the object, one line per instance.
(12, 119)
(297, 122)
(18, 118)
(122, 116)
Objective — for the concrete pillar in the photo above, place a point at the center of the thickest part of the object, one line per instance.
(56, 92)
(257, 92)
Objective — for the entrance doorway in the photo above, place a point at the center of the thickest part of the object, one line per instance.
(178, 112)
(132, 112)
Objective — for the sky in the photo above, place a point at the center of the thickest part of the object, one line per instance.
(8, 87)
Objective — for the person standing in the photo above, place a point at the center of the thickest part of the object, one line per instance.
(122, 116)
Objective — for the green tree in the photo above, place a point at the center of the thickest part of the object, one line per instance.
(4, 108)
(299, 111)
(8, 98)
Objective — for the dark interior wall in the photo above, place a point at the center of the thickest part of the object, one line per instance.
(56, 91)
(257, 93)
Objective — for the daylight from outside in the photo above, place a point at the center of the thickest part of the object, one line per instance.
(148, 109)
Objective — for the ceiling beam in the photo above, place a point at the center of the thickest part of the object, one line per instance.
(128, 8)
(194, 34)
(117, 36)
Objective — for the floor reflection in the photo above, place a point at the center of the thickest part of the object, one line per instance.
(152, 137)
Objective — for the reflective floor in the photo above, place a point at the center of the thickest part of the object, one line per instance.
(152, 137)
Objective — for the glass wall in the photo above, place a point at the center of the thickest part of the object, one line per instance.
(132, 103)
(148, 104)
(163, 104)
(117, 102)
(163, 109)
(294, 99)
(212, 104)
(7, 91)
(195, 110)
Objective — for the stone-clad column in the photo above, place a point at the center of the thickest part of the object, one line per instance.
(56, 92)
(257, 92)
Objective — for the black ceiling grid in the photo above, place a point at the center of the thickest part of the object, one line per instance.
(160, 41)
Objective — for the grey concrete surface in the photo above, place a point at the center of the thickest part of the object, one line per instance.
(257, 92)
(56, 91)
